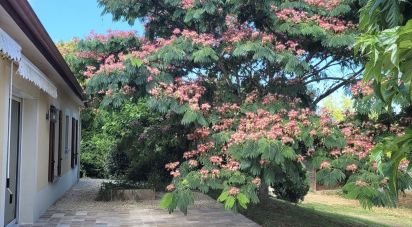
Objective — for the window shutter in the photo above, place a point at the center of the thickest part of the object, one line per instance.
(60, 146)
(77, 143)
(73, 143)
(52, 133)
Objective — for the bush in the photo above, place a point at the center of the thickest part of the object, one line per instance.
(95, 149)
(141, 154)
(107, 187)
(292, 185)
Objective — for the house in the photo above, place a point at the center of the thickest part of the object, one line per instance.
(40, 102)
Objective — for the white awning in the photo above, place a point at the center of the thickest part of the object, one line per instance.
(8, 47)
(30, 72)
(12, 50)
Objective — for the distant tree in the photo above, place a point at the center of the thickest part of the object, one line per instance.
(338, 106)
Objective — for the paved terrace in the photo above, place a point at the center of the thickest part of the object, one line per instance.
(78, 208)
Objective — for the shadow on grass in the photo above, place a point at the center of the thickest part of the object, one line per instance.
(280, 213)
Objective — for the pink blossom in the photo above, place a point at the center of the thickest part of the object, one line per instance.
(263, 162)
(175, 173)
(313, 132)
(361, 88)
(126, 89)
(184, 92)
(217, 160)
(327, 4)
(193, 163)
(325, 165)
(267, 38)
(292, 14)
(234, 191)
(231, 165)
(111, 34)
(257, 181)
(170, 187)
(327, 23)
(361, 183)
(293, 114)
(280, 47)
(300, 52)
(202, 39)
(90, 71)
(176, 31)
(109, 92)
(204, 173)
(251, 97)
(205, 107)
(351, 167)
(187, 4)
(153, 70)
(215, 173)
(286, 139)
(335, 152)
(172, 165)
(403, 165)
(199, 133)
(300, 158)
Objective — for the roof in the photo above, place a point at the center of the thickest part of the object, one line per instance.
(24, 16)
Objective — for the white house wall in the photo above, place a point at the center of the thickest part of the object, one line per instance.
(36, 194)
(4, 94)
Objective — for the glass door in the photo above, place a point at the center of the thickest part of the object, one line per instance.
(13, 164)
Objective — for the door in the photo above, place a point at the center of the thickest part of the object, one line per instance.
(13, 164)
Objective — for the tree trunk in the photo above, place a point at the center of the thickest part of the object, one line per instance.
(263, 193)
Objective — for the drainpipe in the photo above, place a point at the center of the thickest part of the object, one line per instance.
(9, 126)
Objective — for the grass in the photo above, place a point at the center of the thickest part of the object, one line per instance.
(328, 209)
(280, 213)
(335, 204)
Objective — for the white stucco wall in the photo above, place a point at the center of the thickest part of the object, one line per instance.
(36, 194)
(4, 91)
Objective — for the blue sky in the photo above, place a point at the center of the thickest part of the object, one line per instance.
(66, 19)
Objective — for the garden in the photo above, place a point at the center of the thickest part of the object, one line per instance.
(232, 98)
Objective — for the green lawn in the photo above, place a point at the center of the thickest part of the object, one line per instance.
(329, 209)
(279, 213)
(335, 204)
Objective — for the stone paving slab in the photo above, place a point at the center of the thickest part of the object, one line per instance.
(72, 211)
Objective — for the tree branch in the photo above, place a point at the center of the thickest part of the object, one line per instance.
(335, 88)
(325, 78)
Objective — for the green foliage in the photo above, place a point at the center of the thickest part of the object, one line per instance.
(389, 154)
(387, 49)
(389, 55)
(330, 177)
(95, 149)
(178, 199)
(291, 185)
(153, 141)
(233, 201)
(106, 188)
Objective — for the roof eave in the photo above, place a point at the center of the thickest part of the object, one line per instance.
(29, 23)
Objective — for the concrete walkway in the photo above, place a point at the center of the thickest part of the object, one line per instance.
(78, 208)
